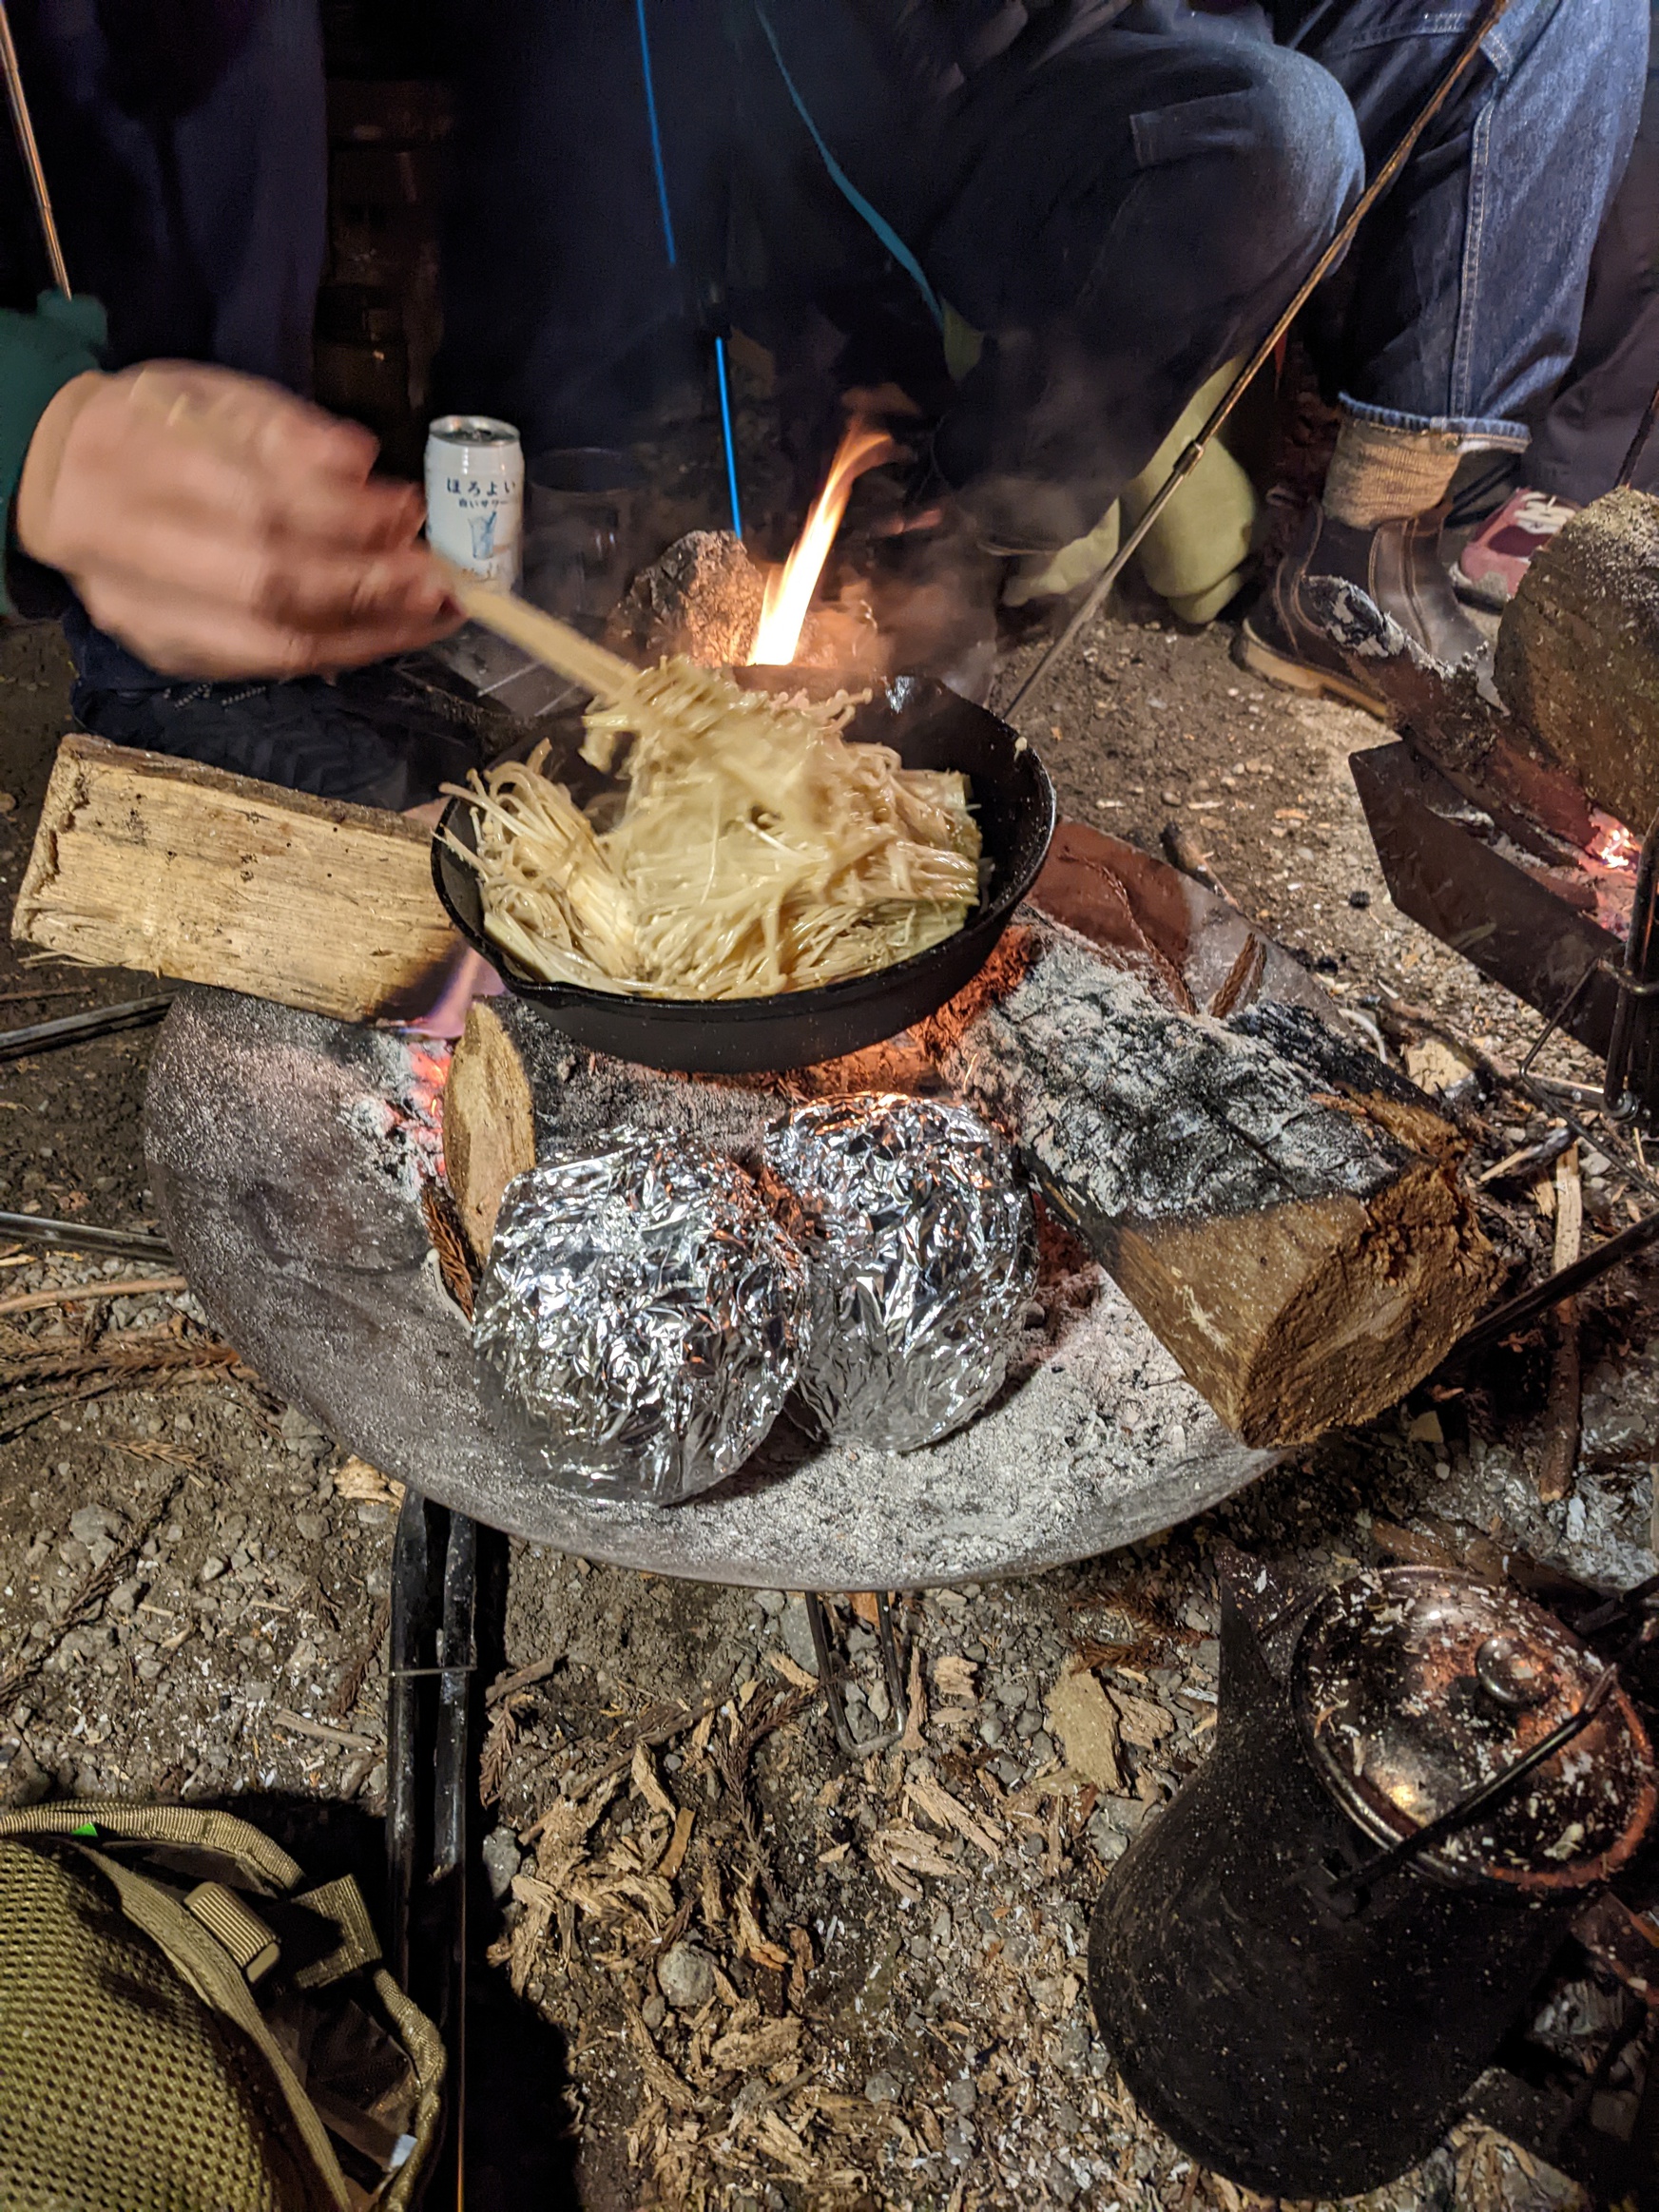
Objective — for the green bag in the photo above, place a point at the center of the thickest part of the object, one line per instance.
(184, 2026)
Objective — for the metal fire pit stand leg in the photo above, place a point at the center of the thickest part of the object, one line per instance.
(831, 1676)
(434, 1588)
(1632, 1051)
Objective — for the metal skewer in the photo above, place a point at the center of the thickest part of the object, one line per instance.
(1190, 456)
(27, 147)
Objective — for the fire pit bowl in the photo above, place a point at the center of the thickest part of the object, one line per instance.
(287, 1154)
(929, 727)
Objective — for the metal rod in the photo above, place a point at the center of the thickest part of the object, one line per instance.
(451, 1789)
(830, 1676)
(79, 1237)
(98, 1021)
(889, 1642)
(1516, 1312)
(454, 1687)
(1487, 21)
(829, 1680)
(1630, 1089)
(411, 1599)
(29, 148)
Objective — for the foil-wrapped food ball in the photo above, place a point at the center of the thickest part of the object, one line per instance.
(642, 1314)
(922, 1251)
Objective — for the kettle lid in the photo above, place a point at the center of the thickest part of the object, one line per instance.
(1413, 1685)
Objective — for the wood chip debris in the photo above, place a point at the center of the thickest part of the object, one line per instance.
(365, 1484)
(323, 1734)
(1087, 1723)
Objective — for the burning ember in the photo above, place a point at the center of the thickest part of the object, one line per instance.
(418, 1112)
(789, 590)
(1612, 844)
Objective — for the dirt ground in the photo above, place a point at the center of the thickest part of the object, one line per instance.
(775, 1976)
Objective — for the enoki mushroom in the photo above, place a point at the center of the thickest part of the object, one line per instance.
(757, 851)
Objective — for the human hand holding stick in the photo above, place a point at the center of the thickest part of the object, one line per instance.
(221, 528)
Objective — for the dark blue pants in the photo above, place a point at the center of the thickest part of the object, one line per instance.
(1580, 444)
(1118, 210)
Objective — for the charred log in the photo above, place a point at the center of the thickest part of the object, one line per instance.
(1305, 1252)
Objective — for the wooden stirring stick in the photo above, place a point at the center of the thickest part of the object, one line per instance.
(542, 636)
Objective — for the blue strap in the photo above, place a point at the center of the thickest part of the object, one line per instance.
(726, 431)
(844, 184)
(656, 137)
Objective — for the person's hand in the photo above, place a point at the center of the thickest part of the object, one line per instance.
(220, 527)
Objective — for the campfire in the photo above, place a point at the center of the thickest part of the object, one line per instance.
(709, 598)
(789, 590)
(1227, 1228)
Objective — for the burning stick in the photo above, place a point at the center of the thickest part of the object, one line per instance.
(1563, 1418)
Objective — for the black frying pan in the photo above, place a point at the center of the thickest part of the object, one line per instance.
(928, 726)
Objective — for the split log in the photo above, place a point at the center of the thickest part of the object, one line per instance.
(489, 1123)
(1578, 652)
(1295, 1234)
(150, 863)
(1283, 1212)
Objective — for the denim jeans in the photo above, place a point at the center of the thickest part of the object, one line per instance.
(1463, 300)
(1579, 445)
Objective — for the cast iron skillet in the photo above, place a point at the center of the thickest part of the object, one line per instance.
(929, 727)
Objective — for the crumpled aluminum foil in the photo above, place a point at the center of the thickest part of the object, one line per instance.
(642, 1316)
(921, 1250)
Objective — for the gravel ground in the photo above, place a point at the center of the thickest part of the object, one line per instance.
(783, 1977)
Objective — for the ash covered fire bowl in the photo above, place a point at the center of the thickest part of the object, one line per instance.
(928, 726)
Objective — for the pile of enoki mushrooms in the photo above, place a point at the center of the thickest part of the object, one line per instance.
(757, 851)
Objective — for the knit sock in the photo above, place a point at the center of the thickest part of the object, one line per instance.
(1378, 474)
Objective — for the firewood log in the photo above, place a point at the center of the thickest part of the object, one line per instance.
(1283, 1212)
(1291, 1228)
(145, 862)
(489, 1123)
(1578, 652)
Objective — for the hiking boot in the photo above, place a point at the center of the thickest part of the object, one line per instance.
(1397, 564)
(1491, 566)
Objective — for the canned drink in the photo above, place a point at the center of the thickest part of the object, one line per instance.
(474, 495)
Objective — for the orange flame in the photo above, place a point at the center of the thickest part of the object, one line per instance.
(1613, 845)
(789, 590)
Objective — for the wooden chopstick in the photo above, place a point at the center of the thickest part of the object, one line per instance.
(542, 636)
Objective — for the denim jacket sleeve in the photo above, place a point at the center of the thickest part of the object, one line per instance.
(39, 354)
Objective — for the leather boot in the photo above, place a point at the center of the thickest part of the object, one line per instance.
(1397, 564)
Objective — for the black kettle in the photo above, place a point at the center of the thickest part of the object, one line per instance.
(1302, 1967)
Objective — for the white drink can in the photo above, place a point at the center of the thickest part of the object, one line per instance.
(474, 495)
